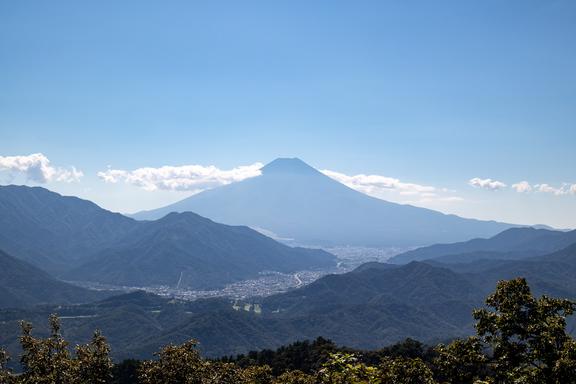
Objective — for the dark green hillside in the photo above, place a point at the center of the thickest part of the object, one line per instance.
(54, 231)
(191, 251)
(519, 338)
(370, 307)
(513, 243)
(418, 284)
(357, 309)
(23, 285)
(553, 274)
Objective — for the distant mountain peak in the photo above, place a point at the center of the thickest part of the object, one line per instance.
(284, 165)
(185, 217)
(298, 202)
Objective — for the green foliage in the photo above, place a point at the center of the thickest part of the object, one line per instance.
(223, 373)
(521, 339)
(343, 368)
(304, 356)
(309, 357)
(93, 361)
(461, 362)
(565, 367)
(126, 372)
(5, 374)
(527, 335)
(258, 375)
(405, 371)
(408, 349)
(175, 364)
(295, 377)
(46, 361)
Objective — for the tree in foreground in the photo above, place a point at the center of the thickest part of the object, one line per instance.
(48, 361)
(521, 339)
(126, 371)
(401, 370)
(5, 374)
(175, 364)
(344, 368)
(94, 365)
(295, 377)
(461, 362)
(527, 336)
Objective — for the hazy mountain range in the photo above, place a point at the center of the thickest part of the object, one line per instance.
(53, 231)
(514, 243)
(77, 240)
(295, 201)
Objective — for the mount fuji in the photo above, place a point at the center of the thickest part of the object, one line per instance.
(293, 201)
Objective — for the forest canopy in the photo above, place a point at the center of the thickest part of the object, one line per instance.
(519, 339)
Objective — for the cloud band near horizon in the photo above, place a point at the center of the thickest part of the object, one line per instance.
(193, 178)
(196, 178)
(524, 187)
(36, 167)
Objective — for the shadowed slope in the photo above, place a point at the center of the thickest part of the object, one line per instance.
(514, 243)
(191, 251)
(53, 231)
(22, 285)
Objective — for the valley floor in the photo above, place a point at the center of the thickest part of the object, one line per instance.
(269, 282)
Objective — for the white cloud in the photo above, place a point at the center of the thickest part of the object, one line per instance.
(196, 178)
(386, 187)
(36, 167)
(522, 187)
(564, 189)
(547, 189)
(372, 183)
(446, 199)
(493, 185)
(180, 178)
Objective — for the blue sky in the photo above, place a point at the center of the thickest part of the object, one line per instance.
(431, 94)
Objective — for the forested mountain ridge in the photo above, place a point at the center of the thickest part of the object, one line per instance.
(24, 285)
(370, 307)
(75, 239)
(190, 251)
(52, 231)
(518, 338)
(513, 243)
